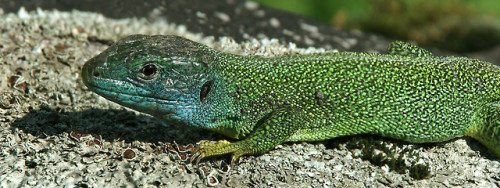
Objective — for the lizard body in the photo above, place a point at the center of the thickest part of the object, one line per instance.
(406, 94)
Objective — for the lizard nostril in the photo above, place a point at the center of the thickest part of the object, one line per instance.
(96, 73)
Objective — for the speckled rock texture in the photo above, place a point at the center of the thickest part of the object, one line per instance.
(54, 132)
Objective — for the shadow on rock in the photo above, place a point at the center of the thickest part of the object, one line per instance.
(110, 124)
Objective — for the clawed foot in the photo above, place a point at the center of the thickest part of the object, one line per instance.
(222, 147)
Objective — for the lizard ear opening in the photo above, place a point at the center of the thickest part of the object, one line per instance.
(205, 89)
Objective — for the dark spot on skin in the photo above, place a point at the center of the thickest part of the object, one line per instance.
(243, 111)
(205, 89)
(239, 90)
(236, 94)
(233, 118)
(271, 102)
(251, 104)
(319, 97)
(280, 105)
(320, 101)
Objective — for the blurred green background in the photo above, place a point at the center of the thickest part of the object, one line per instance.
(456, 25)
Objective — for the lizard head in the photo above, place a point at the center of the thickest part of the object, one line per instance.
(165, 76)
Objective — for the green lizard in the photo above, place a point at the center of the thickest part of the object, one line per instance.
(406, 94)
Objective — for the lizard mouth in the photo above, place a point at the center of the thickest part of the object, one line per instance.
(128, 94)
(118, 95)
(170, 111)
(116, 90)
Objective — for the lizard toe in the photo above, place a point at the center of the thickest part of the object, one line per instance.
(208, 149)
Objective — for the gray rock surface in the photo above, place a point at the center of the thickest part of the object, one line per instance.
(55, 132)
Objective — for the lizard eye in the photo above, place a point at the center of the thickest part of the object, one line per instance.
(149, 70)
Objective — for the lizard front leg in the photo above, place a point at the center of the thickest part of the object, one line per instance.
(274, 130)
(485, 126)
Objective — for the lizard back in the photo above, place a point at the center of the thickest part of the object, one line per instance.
(413, 98)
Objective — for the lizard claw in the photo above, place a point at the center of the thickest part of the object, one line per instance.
(198, 154)
(222, 147)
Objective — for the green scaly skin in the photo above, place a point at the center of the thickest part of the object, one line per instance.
(406, 94)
